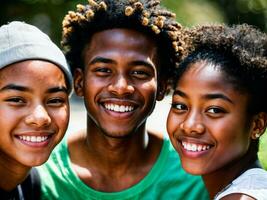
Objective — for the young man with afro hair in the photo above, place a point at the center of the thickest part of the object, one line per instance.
(121, 54)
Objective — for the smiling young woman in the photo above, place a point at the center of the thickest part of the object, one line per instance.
(35, 84)
(219, 110)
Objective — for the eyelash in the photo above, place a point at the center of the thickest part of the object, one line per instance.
(102, 70)
(140, 74)
(56, 101)
(211, 111)
(175, 106)
(216, 110)
(16, 100)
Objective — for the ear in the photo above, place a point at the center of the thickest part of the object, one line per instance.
(258, 125)
(78, 81)
(162, 87)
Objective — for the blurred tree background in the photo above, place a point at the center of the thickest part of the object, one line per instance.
(48, 15)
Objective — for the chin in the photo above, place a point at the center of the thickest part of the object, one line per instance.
(35, 161)
(193, 169)
(118, 133)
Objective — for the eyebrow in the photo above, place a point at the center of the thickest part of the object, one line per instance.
(142, 63)
(57, 89)
(25, 89)
(14, 87)
(206, 96)
(180, 93)
(218, 96)
(99, 59)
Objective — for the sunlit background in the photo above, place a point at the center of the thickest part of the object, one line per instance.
(48, 15)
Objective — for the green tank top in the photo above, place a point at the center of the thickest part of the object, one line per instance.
(166, 180)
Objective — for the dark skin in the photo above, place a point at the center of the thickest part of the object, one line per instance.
(30, 112)
(115, 151)
(210, 127)
(216, 181)
(237, 197)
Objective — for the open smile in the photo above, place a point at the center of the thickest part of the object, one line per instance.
(118, 108)
(34, 139)
(195, 147)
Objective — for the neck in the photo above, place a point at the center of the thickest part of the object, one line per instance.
(216, 181)
(113, 164)
(11, 173)
(117, 152)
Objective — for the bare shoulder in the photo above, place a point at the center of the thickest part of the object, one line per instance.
(75, 137)
(155, 142)
(74, 141)
(237, 196)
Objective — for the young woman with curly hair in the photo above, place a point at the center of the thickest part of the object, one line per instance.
(219, 110)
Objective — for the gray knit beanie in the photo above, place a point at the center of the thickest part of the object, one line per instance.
(20, 41)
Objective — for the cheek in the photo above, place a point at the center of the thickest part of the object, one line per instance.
(61, 118)
(11, 118)
(172, 124)
(234, 134)
(148, 88)
(97, 84)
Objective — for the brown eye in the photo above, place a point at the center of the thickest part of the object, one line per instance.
(102, 71)
(140, 74)
(56, 101)
(179, 106)
(215, 110)
(16, 100)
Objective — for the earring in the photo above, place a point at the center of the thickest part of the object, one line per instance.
(257, 135)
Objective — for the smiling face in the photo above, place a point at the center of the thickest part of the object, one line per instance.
(119, 82)
(34, 112)
(208, 123)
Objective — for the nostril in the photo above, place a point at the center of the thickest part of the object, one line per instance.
(39, 117)
(121, 89)
(192, 127)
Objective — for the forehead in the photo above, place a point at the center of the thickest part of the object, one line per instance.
(117, 35)
(32, 70)
(207, 76)
(122, 41)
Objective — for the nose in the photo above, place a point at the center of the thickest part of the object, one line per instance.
(120, 86)
(38, 117)
(193, 124)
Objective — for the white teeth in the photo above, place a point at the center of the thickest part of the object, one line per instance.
(195, 147)
(34, 139)
(118, 108)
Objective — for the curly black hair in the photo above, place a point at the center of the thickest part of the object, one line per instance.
(240, 51)
(145, 16)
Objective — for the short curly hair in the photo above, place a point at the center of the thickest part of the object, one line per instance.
(241, 53)
(145, 16)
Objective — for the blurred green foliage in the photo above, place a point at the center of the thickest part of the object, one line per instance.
(263, 150)
(48, 15)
